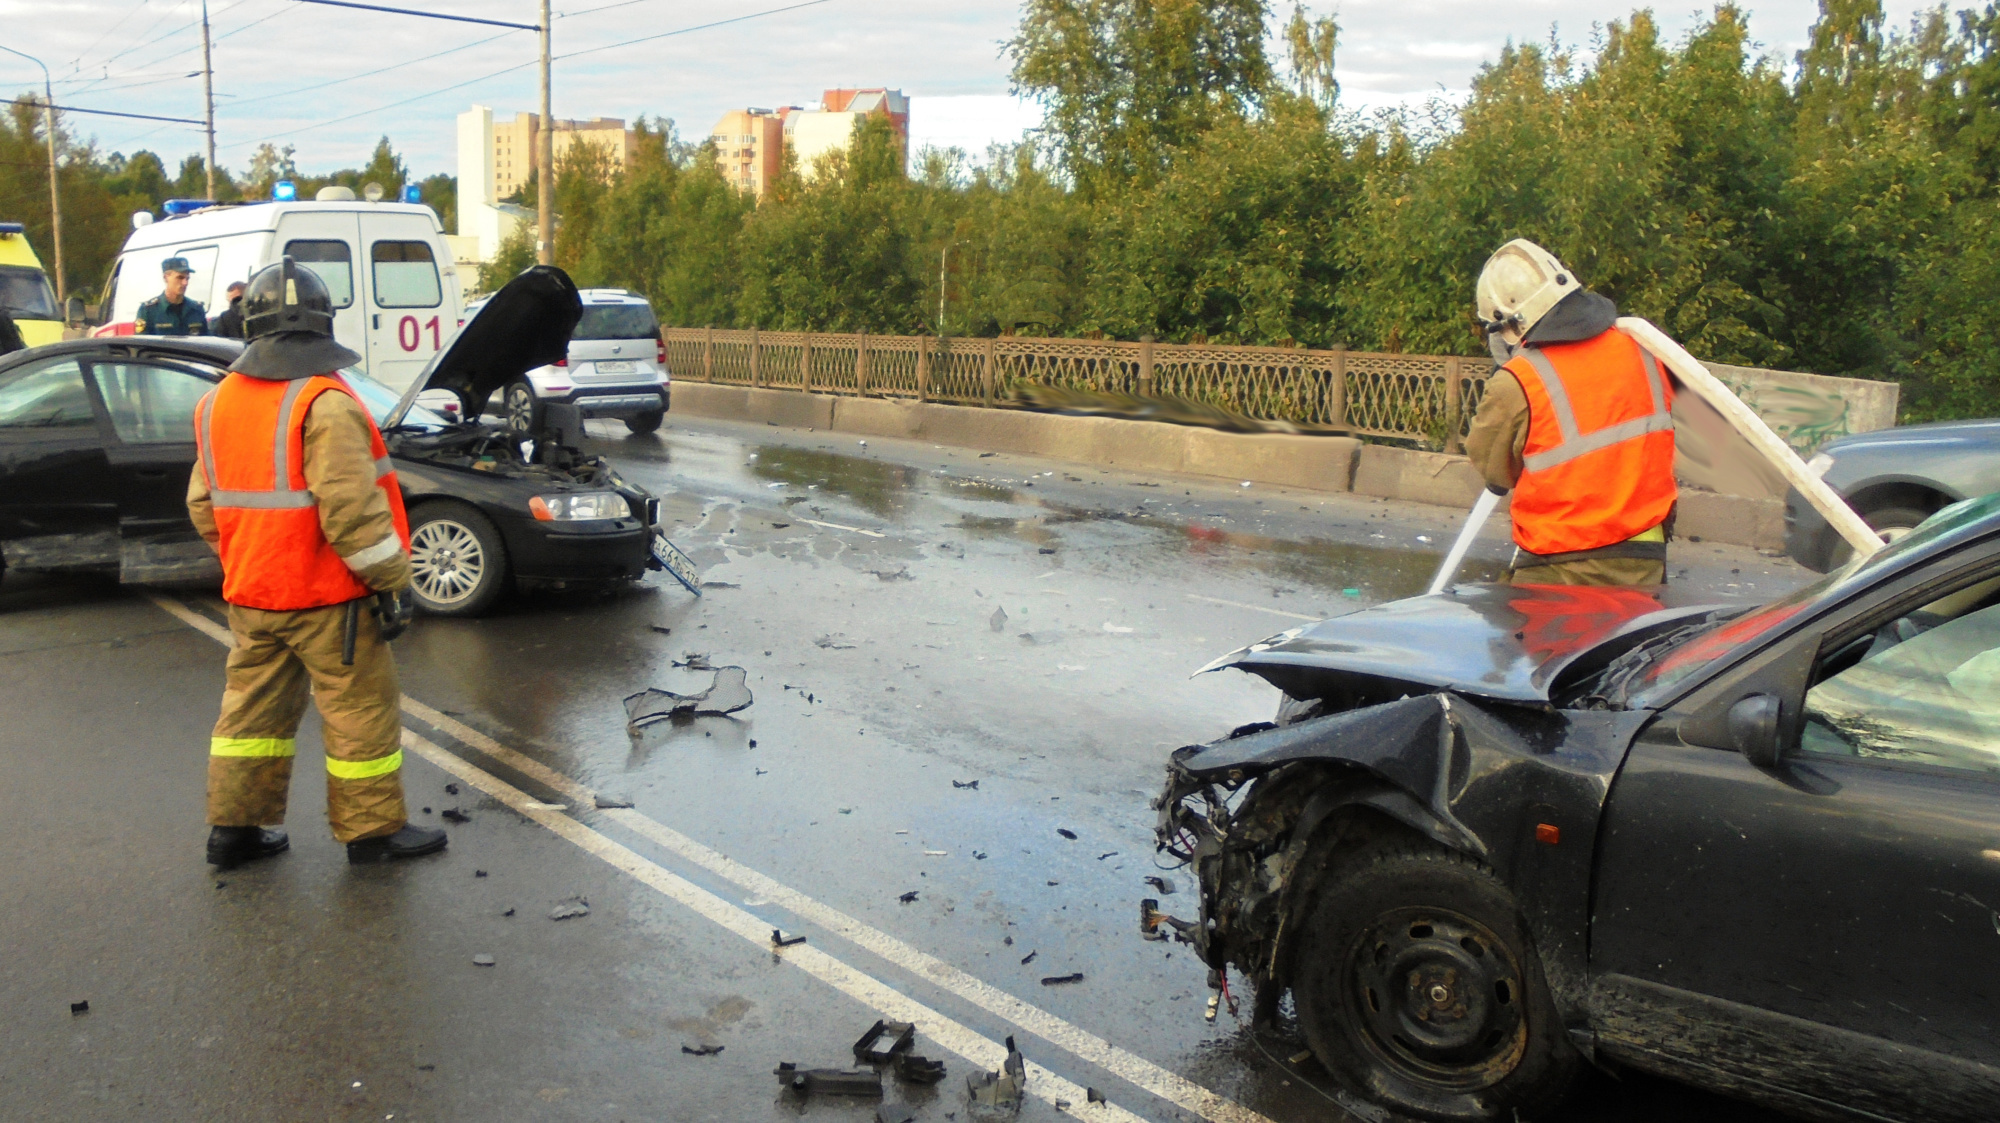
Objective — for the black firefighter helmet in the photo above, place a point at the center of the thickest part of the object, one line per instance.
(288, 319)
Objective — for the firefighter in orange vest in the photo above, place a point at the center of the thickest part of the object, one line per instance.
(294, 489)
(1577, 423)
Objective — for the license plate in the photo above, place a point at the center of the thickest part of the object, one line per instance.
(676, 563)
(617, 367)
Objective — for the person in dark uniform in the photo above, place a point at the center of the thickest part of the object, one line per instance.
(171, 312)
(229, 325)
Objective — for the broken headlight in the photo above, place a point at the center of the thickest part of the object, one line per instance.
(580, 505)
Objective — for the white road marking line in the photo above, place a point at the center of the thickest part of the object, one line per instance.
(1255, 608)
(1119, 1062)
(837, 526)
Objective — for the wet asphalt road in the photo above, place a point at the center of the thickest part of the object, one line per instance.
(910, 618)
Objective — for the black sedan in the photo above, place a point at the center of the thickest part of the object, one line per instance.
(97, 440)
(1501, 833)
(1894, 479)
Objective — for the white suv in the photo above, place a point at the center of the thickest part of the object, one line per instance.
(617, 367)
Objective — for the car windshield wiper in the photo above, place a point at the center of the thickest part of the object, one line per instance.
(1616, 682)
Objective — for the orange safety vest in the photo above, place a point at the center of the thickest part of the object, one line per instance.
(251, 437)
(1598, 467)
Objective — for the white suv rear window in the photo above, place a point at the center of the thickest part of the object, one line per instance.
(616, 321)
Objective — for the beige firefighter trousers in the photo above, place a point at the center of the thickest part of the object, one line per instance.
(276, 657)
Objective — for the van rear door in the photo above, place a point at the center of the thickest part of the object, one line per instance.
(408, 315)
(327, 242)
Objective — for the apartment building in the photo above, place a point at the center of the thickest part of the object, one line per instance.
(750, 146)
(750, 143)
(515, 145)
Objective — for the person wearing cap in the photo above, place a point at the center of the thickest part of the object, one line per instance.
(172, 312)
(294, 488)
(229, 323)
(1577, 424)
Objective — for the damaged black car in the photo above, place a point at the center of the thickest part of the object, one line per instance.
(1503, 832)
(97, 441)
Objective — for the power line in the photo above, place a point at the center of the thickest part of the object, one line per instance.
(426, 15)
(111, 113)
(697, 27)
(368, 73)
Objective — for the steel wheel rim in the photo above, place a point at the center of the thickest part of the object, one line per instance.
(447, 563)
(1437, 997)
(520, 408)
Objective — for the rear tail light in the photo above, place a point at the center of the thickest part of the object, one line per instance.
(660, 354)
(562, 362)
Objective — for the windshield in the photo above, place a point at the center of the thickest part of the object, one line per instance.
(1649, 673)
(380, 400)
(25, 294)
(616, 321)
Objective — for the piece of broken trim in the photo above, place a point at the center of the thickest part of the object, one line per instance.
(573, 907)
(1062, 980)
(837, 526)
(780, 940)
(703, 1051)
(883, 1041)
(997, 1095)
(810, 1082)
(727, 694)
(918, 1069)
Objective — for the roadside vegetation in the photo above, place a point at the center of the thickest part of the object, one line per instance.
(1835, 212)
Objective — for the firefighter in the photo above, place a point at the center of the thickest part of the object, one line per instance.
(293, 487)
(173, 312)
(1577, 423)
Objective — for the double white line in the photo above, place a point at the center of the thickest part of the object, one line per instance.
(982, 1051)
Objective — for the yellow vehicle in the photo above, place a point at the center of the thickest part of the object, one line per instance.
(25, 294)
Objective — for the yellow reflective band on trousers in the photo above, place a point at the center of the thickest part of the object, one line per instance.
(252, 746)
(363, 769)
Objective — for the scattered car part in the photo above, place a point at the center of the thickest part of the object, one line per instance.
(82, 1007)
(918, 1069)
(1066, 833)
(998, 1095)
(702, 1051)
(883, 1041)
(610, 802)
(569, 909)
(780, 940)
(483, 959)
(1092, 1095)
(895, 1113)
(973, 784)
(1030, 957)
(455, 815)
(1062, 980)
(809, 1082)
(1164, 885)
(908, 898)
(727, 693)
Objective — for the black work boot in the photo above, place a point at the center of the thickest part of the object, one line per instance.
(408, 842)
(232, 846)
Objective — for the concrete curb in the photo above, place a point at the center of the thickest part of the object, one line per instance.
(1286, 460)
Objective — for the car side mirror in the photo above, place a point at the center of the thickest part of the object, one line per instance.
(74, 311)
(1753, 729)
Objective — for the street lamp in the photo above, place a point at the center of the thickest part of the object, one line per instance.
(55, 195)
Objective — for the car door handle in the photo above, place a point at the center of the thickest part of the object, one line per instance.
(378, 321)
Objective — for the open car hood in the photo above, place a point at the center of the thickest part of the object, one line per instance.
(1504, 642)
(525, 325)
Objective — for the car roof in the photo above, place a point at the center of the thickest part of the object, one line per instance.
(249, 217)
(208, 349)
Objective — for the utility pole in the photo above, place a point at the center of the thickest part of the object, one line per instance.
(943, 254)
(208, 97)
(55, 193)
(545, 148)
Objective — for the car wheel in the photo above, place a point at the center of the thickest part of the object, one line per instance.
(523, 409)
(458, 565)
(646, 422)
(1889, 522)
(1418, 988)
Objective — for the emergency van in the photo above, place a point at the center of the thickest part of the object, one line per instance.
(396, 294)
(25, 294)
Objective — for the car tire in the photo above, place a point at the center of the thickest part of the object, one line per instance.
(520, 407)
(458, 563)
(1890, 522)
(1476, 1036)
(646, 422)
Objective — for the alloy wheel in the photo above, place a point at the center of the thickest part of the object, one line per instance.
(447, 563)
(520, 408)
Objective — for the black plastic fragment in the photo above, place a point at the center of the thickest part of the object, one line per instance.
(908, 898)
(918, 1069)
(1164, 885)
(1092, 1095)
(883, 1041)
(455, 815)
(1062, 980)
(610, 802)
(702, 1051)
(1066, 833)
(82, 1007)
(479, 873)
(780, 940)
(451, 789)
(895, 1113)
(973, 784)
(1030, 957)
(810, 1082)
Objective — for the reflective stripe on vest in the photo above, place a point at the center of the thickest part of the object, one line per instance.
(1573, 444)
(364, 769)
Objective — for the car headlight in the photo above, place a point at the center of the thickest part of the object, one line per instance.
(580, 505)
(1819, 464)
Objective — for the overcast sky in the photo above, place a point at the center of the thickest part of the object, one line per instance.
(136, 56)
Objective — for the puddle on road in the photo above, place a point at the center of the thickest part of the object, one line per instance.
(877, 487)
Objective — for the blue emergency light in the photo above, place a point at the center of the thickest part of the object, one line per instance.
(185, 206)
(284, 191)
(7, 228)
(412, 193)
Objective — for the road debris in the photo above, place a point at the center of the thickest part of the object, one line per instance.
(1092, 1095)
(1030, 957)
(509, 912)
(997, 621)
(899, 574)
(780, 940)
(979, 855)
(1062, 980)
(611, 802)
(883, 1041)
(662, 629)
(479, 873)
(834, 642)
(702, 1050)
(809, 1082)
(694, 661)
(453, 814)
(909, 898)
(997, 1095)
(573, 907)
(728, 693)
(1118, 629)
(895, 1113)
(82, 1007)
(1046, 550)
(1163, 884)
(937, 853)
(483, 959)
(1107, 854)
(966, 784)
(1066, 833)
(720, 585)
(451, 789)
(917, 1069)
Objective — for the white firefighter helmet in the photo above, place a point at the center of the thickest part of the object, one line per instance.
(1519, 285)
